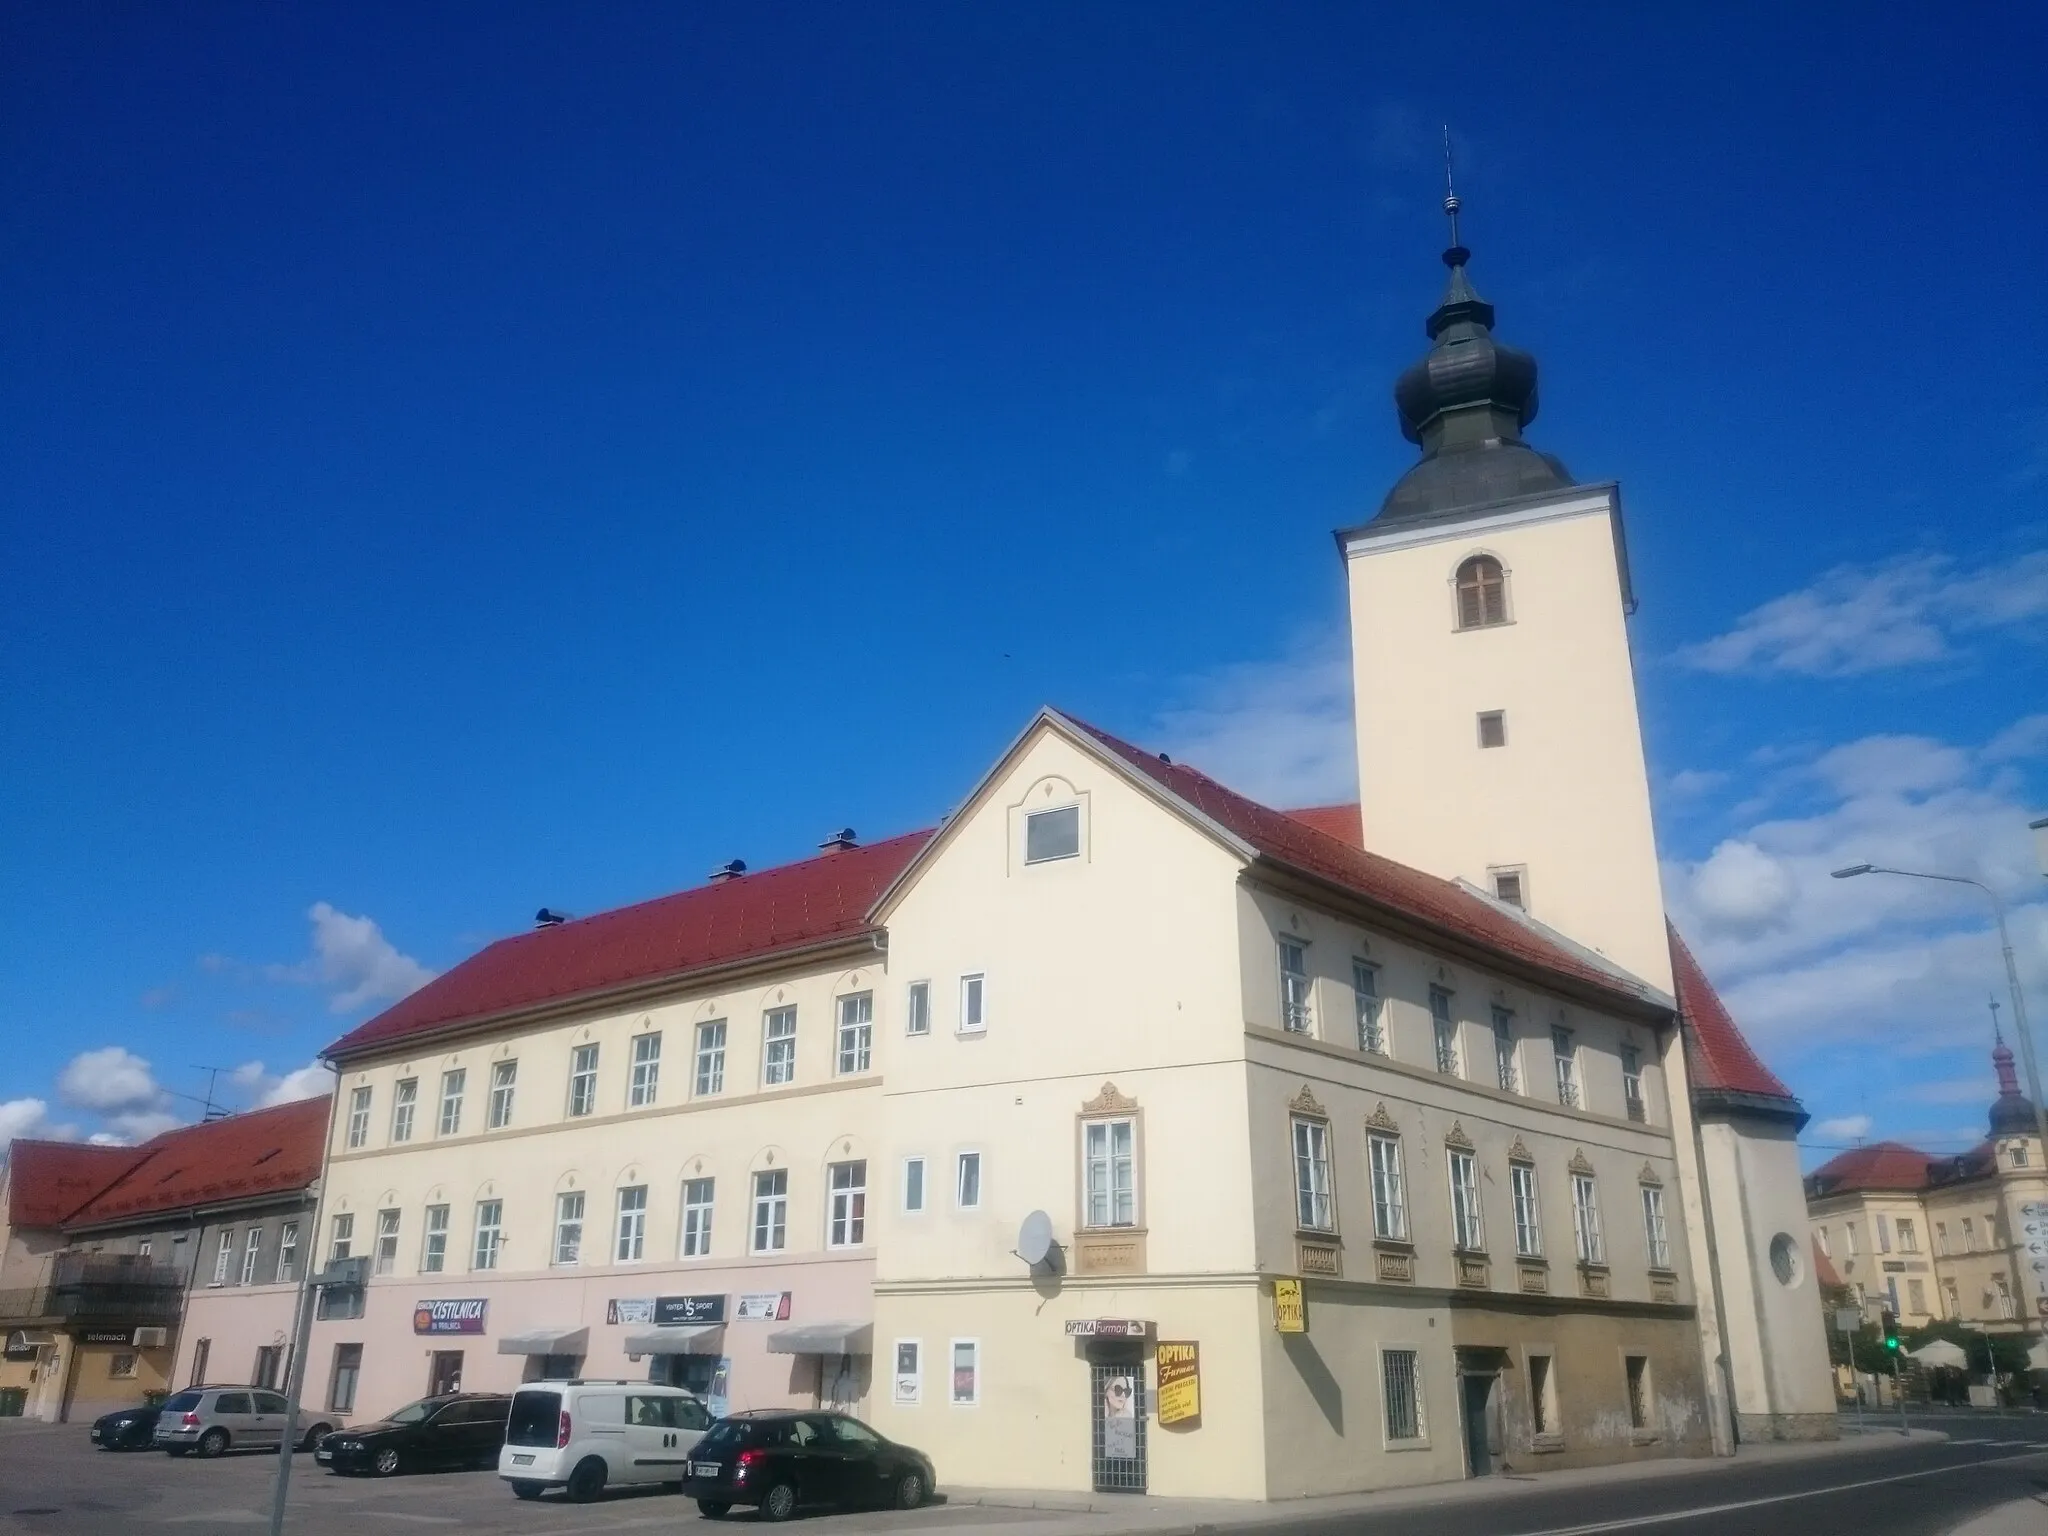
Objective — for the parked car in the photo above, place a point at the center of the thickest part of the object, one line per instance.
(778, 1461)
(588, 1435)
(463, 1429)
(125, 1429)
(214, 1420)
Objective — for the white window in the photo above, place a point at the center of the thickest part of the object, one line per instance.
(1565, 1049)
(632, 1239)
(1444, 1029)
(1940, 1240)
(711, 1058)
(1849, 1236)
(1528, 1214)
(913, 1184)
(966, 1372)
(1314, 1208)
(384, 1258)
(1389, 1195)
(1632, 1083)
(146, 1247)
(778, 1047)
(1969, 1236)
(917, 1012)
(1884, 1233)
(2005, 1306)
(973, 996)
(582, 1081)
(909, 1379)
(1466, 1228)
(405, 1100)
(1820, 1235)
(1109, 1172)
(2016, 1154)
(224, 1255)
(1586, 1220)
(1403, 1394)
(1909, 1236)
(1653, 1227)
(967, 1181)
(569, 1227)
(451, 1100)
(490, 1235)
(341, 1243)
(646, 1081)
(1054, 834)
(1504, 1051)
(358, 1118)
(846, 1222)
(771, 1210)
(287, 1252)
(434, 1256)
(697, 1195)
(856, 1032)
(1294, 991)
(504, 1078)
(1372, 1030)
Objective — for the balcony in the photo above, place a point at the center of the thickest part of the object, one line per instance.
(98, 1290)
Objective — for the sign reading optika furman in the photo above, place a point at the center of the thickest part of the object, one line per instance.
(464, 1316)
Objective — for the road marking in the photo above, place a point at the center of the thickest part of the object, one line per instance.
(1633, 1522)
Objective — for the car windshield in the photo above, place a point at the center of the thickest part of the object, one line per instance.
(413, 1413)
(184, 1402)
(727, 1434)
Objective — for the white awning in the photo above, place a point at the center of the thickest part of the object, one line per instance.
(546, 1341)
(1939, 1352)
(29, 1338)
(824, 1339)
(689, 1339)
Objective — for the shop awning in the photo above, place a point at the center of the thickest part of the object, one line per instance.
(824, 1339)
(546, 1341)
(23, 1339)
(689, 1339)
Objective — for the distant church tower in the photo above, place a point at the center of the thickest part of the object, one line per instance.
(1499, 743)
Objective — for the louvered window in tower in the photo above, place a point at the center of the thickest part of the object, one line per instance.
(1482, 593)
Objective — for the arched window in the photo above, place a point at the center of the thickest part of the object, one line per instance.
(1482, 593)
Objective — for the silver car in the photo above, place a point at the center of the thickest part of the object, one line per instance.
(215, 1420)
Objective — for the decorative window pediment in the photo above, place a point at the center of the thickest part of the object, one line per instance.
(1579, 1163)
(1649, 1177)
(1379, 1120)
(1109, 1102)
(1456, 1137)
(1304, 1103)
(1519, 1152)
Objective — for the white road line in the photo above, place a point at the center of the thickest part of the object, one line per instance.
(1634, 1522)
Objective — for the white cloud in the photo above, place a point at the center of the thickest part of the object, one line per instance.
(1879, 765)
(109, 1079)
(1857, 619)
(23, 1117)
(353, 960)
(137, 1125)
(1279, 731)
(1843, 1128)
(307, 1082)
(2022, 739)
(1740, 888)
(1691, 783)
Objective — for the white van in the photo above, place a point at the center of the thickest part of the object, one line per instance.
(584, 1435)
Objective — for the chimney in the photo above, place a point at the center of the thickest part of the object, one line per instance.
(548, 917)
(840, 841)
(728, 871)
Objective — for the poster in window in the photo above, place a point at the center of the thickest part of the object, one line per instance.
(909, 1379)
(1180, 1382)
(1119, 1419)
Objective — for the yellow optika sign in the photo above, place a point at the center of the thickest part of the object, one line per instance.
(1180, 1382)
(1290, 1312)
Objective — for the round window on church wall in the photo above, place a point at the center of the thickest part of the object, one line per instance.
(1785, 1259)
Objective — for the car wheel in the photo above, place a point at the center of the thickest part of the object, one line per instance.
(712, 1509)
(387, 1462)
(312, 1439)
(522, 1489)
(910, 1490)
(212, 1443)
(587, 1481)
(779, 1502)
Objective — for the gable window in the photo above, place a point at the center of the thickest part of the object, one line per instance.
(1372, 1030)
(582, 1081)
(771, 1210)
(1493, 730)
(1315, 1207)
(973, 1001)
(1528, 1217)
(967, 1181)
(341, 1244)
(569, 1227)
(778, 1051)
(224, 1255)
(1109, 1172)
(358, 1118)
(451, 1100)
(1444, 1029)
(1632, 1083)
(697, 1201)
(1592, 1248)
(1654, 1232)
(434, 1255)
(913, 1184)
(504, 1077)
(632, 1233)
(287, 1252)
(386, 1257)
(1511, 885)
(1504, 1051)
(405, 1098)
(1294, 1009)
(847, 1214)
(1466, 1228)
(711, 1058)
(646, 1080)
(917, 1012)
(490, 1234)
(856, 1032)
(1389, 1200)
(1566, 1052)
(1482, 593)
(1054, 834)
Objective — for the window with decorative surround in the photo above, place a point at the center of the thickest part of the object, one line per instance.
(1372, 1030)
(1444, 1029)
(1467, 1229)
(1389, 1188)
(1528, 1212)
(1504, 1069)
(1110, 1233)
(1294, 988)
(1482, 587)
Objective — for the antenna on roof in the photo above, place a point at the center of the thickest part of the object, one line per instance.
(1451, 204)
(209, 1109)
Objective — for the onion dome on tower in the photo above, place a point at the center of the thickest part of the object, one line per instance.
(2012, 1112)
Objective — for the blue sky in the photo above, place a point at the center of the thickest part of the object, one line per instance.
(457, 459)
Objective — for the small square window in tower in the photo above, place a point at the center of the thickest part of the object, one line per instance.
(1493, 728)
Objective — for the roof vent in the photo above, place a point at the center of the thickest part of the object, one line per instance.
(548, 917)
(840, 841)
(728, 871)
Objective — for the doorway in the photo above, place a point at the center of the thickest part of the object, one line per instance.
(1477, 1393)
(1116, 1383)
(445, 1375)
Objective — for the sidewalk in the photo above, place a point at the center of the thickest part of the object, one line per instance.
(2022, 1517)
(1090, 1514)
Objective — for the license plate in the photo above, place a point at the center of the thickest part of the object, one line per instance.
(323, 1455)
(522, 1461)
(704, 1468)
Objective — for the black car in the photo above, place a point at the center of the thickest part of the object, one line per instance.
(780, 1460)
(463, 1429)
(126, 1429)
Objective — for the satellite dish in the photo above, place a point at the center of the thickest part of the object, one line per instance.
(1034, 1239)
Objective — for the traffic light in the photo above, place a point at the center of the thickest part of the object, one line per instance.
(1891, 1333)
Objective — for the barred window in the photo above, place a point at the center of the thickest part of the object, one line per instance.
(1403, 1394)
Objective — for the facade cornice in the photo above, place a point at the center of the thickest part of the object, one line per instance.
(195, 1215)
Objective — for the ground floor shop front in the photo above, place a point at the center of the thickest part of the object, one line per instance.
(73, 1375)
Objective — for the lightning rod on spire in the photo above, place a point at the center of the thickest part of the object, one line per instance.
(1450, 190)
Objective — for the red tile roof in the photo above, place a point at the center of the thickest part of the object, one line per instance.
(1339, 821)
(1824, 1269)
(1883, 1165)
(48, 1180)
(1719, 1057)
(791, 907)
(261, 1152)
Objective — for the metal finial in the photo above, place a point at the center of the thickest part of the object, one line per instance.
(1997, 1034)
(1450, 190)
